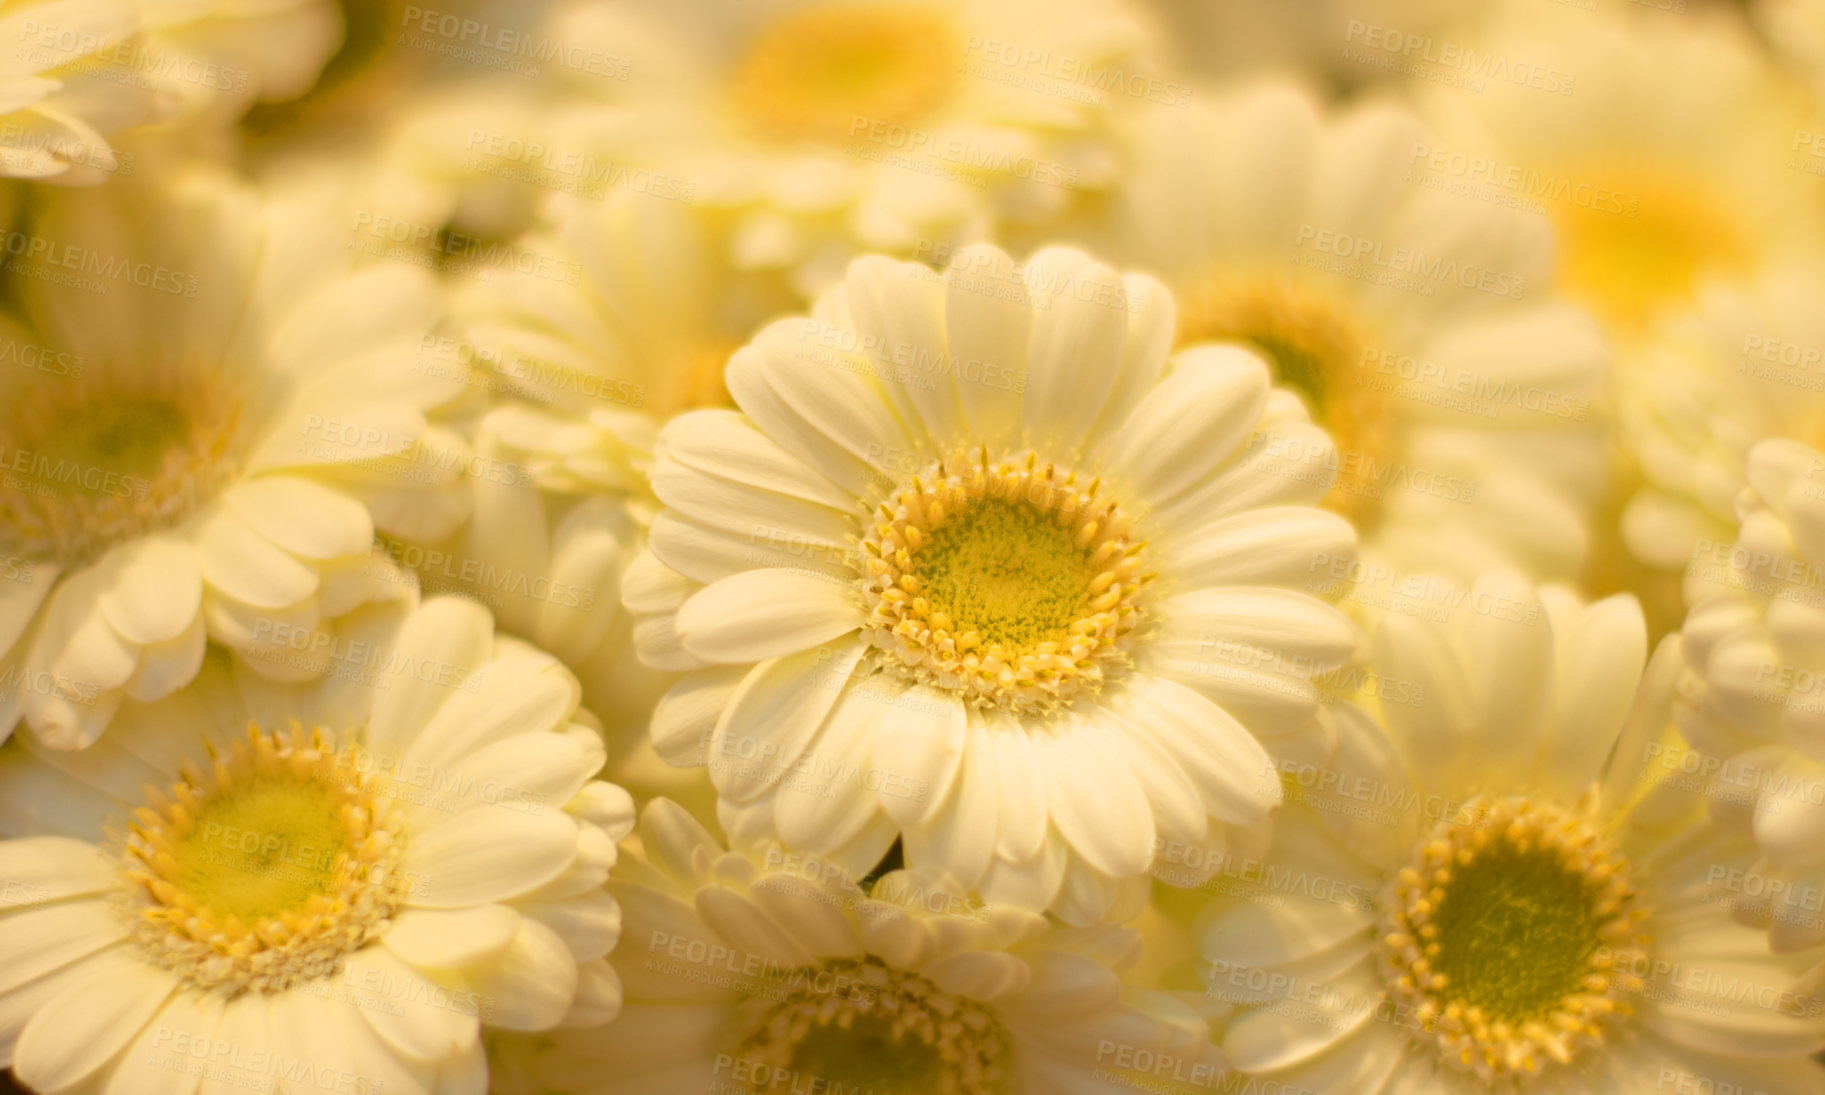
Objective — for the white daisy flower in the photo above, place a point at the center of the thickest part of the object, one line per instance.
(1489, 891)
(755, 974)
(975, 565)
(1746, 363)
(1750, 702)
(66, 90)
(1642, 224)
(830, 129)
(627, 305)
(414, 188)
(1646, 232)
(1464, 400)
(204, 422)
(560, 506)
(259, 882)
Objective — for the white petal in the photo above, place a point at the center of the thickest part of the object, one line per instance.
(87, 1023)
(988, 323)
(960, 837)
(245, 565)
(1233, 773)
(447, 635)
(530, 986)
(761, 614)
(153, 590)
(481, 856)
(898, 309)
(773, 717)
(1297, 547)
(521, 693)
(1075, 354)
(1096, 801)
(39, 941)
(1191, 423)
(918, 745)
(447, 938)
(726, 444)
(303, 517)
(51, 868)
(414, 1014)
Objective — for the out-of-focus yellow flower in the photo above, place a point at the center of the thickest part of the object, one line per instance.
(1416, 324)
(857, 125)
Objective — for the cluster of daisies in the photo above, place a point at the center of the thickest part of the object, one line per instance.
(872, 547)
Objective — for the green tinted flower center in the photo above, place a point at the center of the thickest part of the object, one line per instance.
(1516, 931)
(263, 849)
(1508, 937)
(1007, 571)
(1009, 583)
(93, 461)
(264, 870)
(860, 1025)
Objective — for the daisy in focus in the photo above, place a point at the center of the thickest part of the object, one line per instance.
(978, 567)
(1465, 402)
(205, 420)
(1508, 898)
(829, 129)
(355, 875)
(754, 974)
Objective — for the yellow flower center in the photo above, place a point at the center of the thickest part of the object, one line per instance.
(1317, 346)
(89, 462)
(1509, 936)
(1006, 582)
(1630, 265)
(809, 76)
(265, 870)
(860, 1025)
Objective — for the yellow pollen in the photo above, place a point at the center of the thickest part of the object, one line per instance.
(1318, 348)
(861, 1025)
(264, 869)
(1009, 583)
(1509, 938)
(1644, 243)
(807, 77)
(94, 461)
